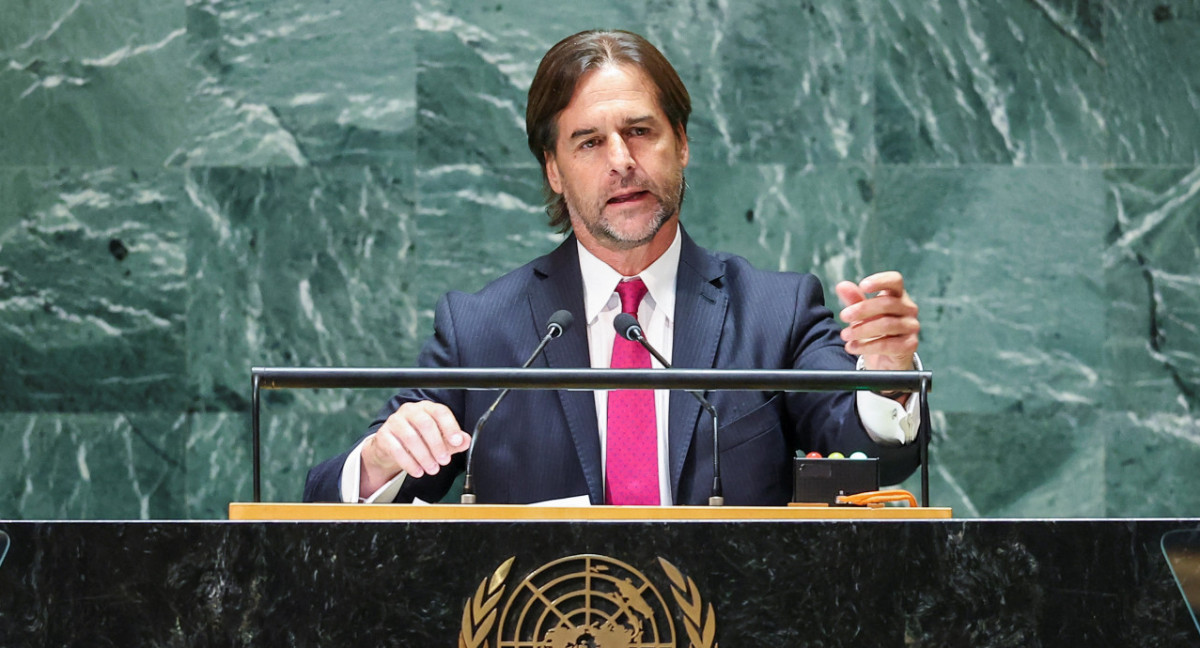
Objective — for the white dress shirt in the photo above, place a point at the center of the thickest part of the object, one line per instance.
(602, 304)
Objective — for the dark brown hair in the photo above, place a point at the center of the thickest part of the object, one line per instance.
(560, 71)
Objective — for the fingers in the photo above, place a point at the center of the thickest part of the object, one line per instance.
(849, 292)
(894, 343)
(891, 281)
(880, 328)
(882, 306)
(889, 299)
(418, 438)
(882, 320)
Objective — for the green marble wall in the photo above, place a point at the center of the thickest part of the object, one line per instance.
(192, 187)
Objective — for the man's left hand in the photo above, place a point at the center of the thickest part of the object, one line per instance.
(882, 321)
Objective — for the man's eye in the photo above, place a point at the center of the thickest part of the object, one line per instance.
(639, 131)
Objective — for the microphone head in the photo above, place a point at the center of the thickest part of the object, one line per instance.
(559, 322)
(627, 327)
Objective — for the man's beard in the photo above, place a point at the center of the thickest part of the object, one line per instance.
(669, 202)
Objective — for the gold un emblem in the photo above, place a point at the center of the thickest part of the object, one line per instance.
(585, 601)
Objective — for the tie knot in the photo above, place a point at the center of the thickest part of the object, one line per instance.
(631, 293)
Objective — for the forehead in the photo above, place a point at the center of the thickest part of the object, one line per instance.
(611, 91)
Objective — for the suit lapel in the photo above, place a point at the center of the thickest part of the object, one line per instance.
(700, 305)
(558, 285)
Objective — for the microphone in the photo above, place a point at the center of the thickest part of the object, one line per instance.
(627, 327)
(558, 323)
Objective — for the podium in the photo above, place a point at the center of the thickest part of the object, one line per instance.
(727, 582)
(245, 511)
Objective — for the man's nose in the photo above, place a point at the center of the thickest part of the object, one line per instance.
(620, 160)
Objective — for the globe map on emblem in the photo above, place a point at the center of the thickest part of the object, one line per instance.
(586, 602)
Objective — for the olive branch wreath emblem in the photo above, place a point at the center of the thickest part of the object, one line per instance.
(479, 614)
(701, 631)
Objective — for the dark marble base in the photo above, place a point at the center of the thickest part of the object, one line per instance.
(943, 583)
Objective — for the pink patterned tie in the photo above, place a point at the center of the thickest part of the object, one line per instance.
(631, 473)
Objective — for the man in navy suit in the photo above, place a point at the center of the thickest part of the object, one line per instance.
(607, 119)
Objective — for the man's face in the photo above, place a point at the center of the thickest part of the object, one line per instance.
(617, 161)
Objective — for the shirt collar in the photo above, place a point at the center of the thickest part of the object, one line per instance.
(599, 279)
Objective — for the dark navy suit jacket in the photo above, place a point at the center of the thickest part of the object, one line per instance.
(544, 444)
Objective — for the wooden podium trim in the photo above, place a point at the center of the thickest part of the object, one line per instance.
(492, 512)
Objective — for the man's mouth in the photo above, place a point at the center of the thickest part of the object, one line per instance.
(629, 197)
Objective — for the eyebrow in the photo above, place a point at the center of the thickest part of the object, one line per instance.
(584, 132)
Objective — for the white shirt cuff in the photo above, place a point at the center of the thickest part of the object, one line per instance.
(352, 473)
(887, 421)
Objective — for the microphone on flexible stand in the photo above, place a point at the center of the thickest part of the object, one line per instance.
(627, 327)
(558, 323)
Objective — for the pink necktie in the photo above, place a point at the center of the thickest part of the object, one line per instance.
(631, 471)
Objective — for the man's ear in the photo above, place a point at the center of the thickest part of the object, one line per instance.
(683, 148)
(552, 174)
